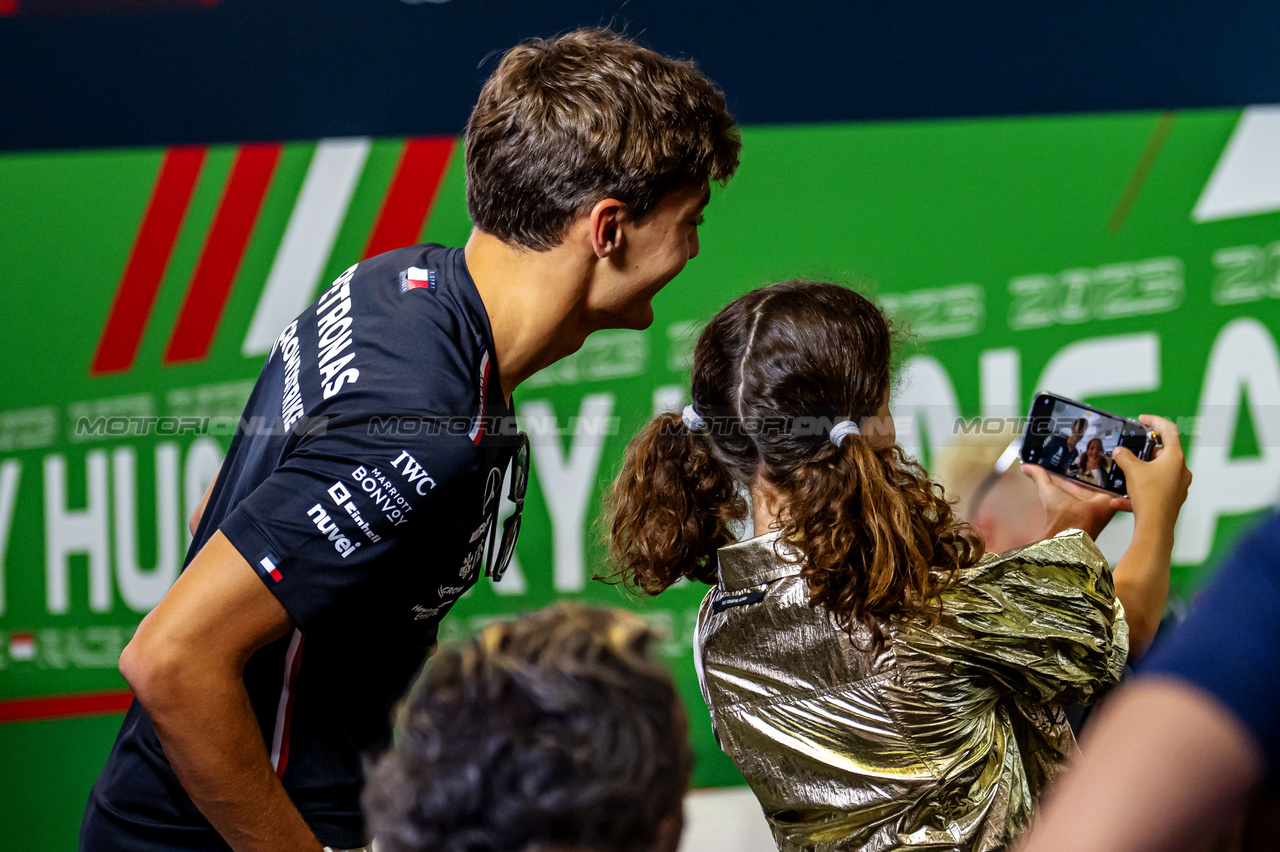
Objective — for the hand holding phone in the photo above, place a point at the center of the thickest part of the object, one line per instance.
(1077, 441)
(1071, 506)
(1157, 488)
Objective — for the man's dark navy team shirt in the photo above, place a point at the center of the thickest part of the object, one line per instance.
(1230, 644)
(1055, 455)
(360, 486)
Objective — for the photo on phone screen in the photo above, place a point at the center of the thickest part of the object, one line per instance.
(1076, 441)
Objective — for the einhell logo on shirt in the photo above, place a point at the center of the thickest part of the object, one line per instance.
(342, 496)
(414, 278)
(339, 493)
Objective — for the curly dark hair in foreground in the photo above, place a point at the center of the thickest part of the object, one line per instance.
(771, 373)
(553, 731)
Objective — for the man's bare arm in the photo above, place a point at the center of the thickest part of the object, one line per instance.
(186, 666)
(194, 521)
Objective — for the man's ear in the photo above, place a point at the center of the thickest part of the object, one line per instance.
(606, 220)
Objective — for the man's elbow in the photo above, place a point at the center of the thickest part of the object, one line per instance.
(154, 672)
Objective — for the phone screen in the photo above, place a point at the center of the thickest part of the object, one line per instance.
(1076, 441)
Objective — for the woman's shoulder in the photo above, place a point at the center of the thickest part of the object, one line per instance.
(1071, 552)
(1042, 619)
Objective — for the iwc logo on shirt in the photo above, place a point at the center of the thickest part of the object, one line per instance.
(414, 472)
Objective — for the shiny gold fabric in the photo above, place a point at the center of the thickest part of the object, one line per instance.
(942, 738)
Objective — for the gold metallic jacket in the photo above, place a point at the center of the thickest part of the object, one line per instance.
(942, 738)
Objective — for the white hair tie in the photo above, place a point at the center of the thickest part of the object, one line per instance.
(692, 419)
(842, 430)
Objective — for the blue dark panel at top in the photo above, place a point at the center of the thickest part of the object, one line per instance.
(296, 69)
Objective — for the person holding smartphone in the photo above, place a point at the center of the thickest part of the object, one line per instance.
(879, 682)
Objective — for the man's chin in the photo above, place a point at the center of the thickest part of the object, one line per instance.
(637, 315)
(638, 318)
(644, 319)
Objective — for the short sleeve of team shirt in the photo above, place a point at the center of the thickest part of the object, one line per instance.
(1229, 646)
(352, 507)
(319, 528)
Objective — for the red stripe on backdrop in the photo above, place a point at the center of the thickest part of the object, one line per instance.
(148, 259)
(223, 251)
(411, 194)
(64, 706)
(8, 7)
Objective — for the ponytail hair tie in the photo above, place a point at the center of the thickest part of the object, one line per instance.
(842, 430)
(692, 419)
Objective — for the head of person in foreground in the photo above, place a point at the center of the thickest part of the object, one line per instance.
(555, 732)
(773, 374)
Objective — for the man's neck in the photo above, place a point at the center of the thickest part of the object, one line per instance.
(534, 300)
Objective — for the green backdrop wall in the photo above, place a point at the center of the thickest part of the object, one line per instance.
(1115, 258)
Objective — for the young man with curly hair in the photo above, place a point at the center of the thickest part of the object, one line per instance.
(334, 538)
(554, 731)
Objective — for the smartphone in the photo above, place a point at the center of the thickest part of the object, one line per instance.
(1074, 440)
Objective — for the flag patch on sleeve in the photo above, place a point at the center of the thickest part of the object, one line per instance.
(267, 567)
(414, 278)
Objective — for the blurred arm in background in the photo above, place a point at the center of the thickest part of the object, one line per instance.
(1174, 756)
(1164, 768)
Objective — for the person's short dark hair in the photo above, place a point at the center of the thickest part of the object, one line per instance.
(553, 731)
(564, 123)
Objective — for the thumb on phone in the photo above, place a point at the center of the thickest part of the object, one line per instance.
(1045, 487)
(1038, 475)
(1125, 458)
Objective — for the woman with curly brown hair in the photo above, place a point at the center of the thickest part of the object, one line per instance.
(880, 683)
